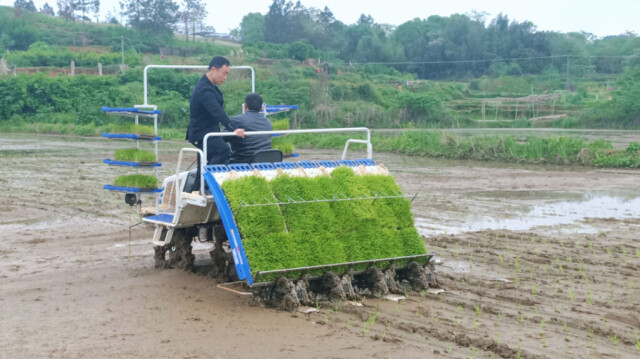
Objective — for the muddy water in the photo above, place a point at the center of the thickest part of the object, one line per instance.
(531, 209)
(536, 262)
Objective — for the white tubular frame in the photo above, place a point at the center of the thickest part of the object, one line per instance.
(197, 67)
(175, 186)
(286, 132)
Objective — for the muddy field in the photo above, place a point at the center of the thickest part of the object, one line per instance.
(535, 262)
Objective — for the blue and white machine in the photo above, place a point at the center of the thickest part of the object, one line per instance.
(192, 206)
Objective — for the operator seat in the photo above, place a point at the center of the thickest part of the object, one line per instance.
(271, 155)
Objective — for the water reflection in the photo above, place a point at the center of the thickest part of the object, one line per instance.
(544, 208)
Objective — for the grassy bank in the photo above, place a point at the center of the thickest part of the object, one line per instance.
(438, 144)
(427, 143)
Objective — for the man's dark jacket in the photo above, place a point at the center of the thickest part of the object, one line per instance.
(206, 111)
(243, 148)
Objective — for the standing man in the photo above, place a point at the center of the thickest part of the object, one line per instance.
(251, 120)
(206, 112)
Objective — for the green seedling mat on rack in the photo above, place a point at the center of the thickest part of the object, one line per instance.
(137, 181)
(134, 155)
(132, 128)
(299, 235)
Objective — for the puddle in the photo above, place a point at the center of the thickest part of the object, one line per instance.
(469, 268)
(568, 210)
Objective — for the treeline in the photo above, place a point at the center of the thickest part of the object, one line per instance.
(352, 100)
(146, 26)
(434, 47)
(457, 46)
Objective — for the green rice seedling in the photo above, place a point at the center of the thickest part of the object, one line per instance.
(132, 128)
(516, 282)
(386, 329)
(614, 339)
(280, 143)
(282, 124)
(534, 289)
(638, 345)
(478, 310)
(584, 275)
(299, 235)
(564, 327)
(521, 319)
(134, 155)
(137, 181)
(590, 299)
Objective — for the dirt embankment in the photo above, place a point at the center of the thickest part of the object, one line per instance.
(75, 286)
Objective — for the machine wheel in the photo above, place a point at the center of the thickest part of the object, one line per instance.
(223, 266)
(179, 249)
(180, 255)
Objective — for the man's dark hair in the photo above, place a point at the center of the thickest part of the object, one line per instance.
(218, 62)
(254, 102)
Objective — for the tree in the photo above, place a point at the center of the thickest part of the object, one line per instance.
(252, 28)
(86, 6)
(47, 10)
(277, 22)
(65, 9)
(152, 17)
(192, 16)
(25, 5)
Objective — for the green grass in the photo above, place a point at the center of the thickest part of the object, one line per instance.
(130, 128)
(134, 155)
(282, 124)
(283, 145)
(551, 150)
(299, 235)
(137, 181)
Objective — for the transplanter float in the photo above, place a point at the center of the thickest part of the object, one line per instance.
(292, 233)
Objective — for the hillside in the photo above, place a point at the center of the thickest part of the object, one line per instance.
(329, 93)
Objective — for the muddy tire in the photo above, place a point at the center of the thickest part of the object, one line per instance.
(180, 256)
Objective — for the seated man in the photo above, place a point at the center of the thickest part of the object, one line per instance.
(251, 120)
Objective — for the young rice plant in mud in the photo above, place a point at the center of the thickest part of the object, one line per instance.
(478, 310)
(371, 320)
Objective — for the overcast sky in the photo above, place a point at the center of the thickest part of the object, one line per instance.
(601, 17)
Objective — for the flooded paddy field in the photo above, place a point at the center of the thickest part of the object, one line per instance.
(534, 261)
